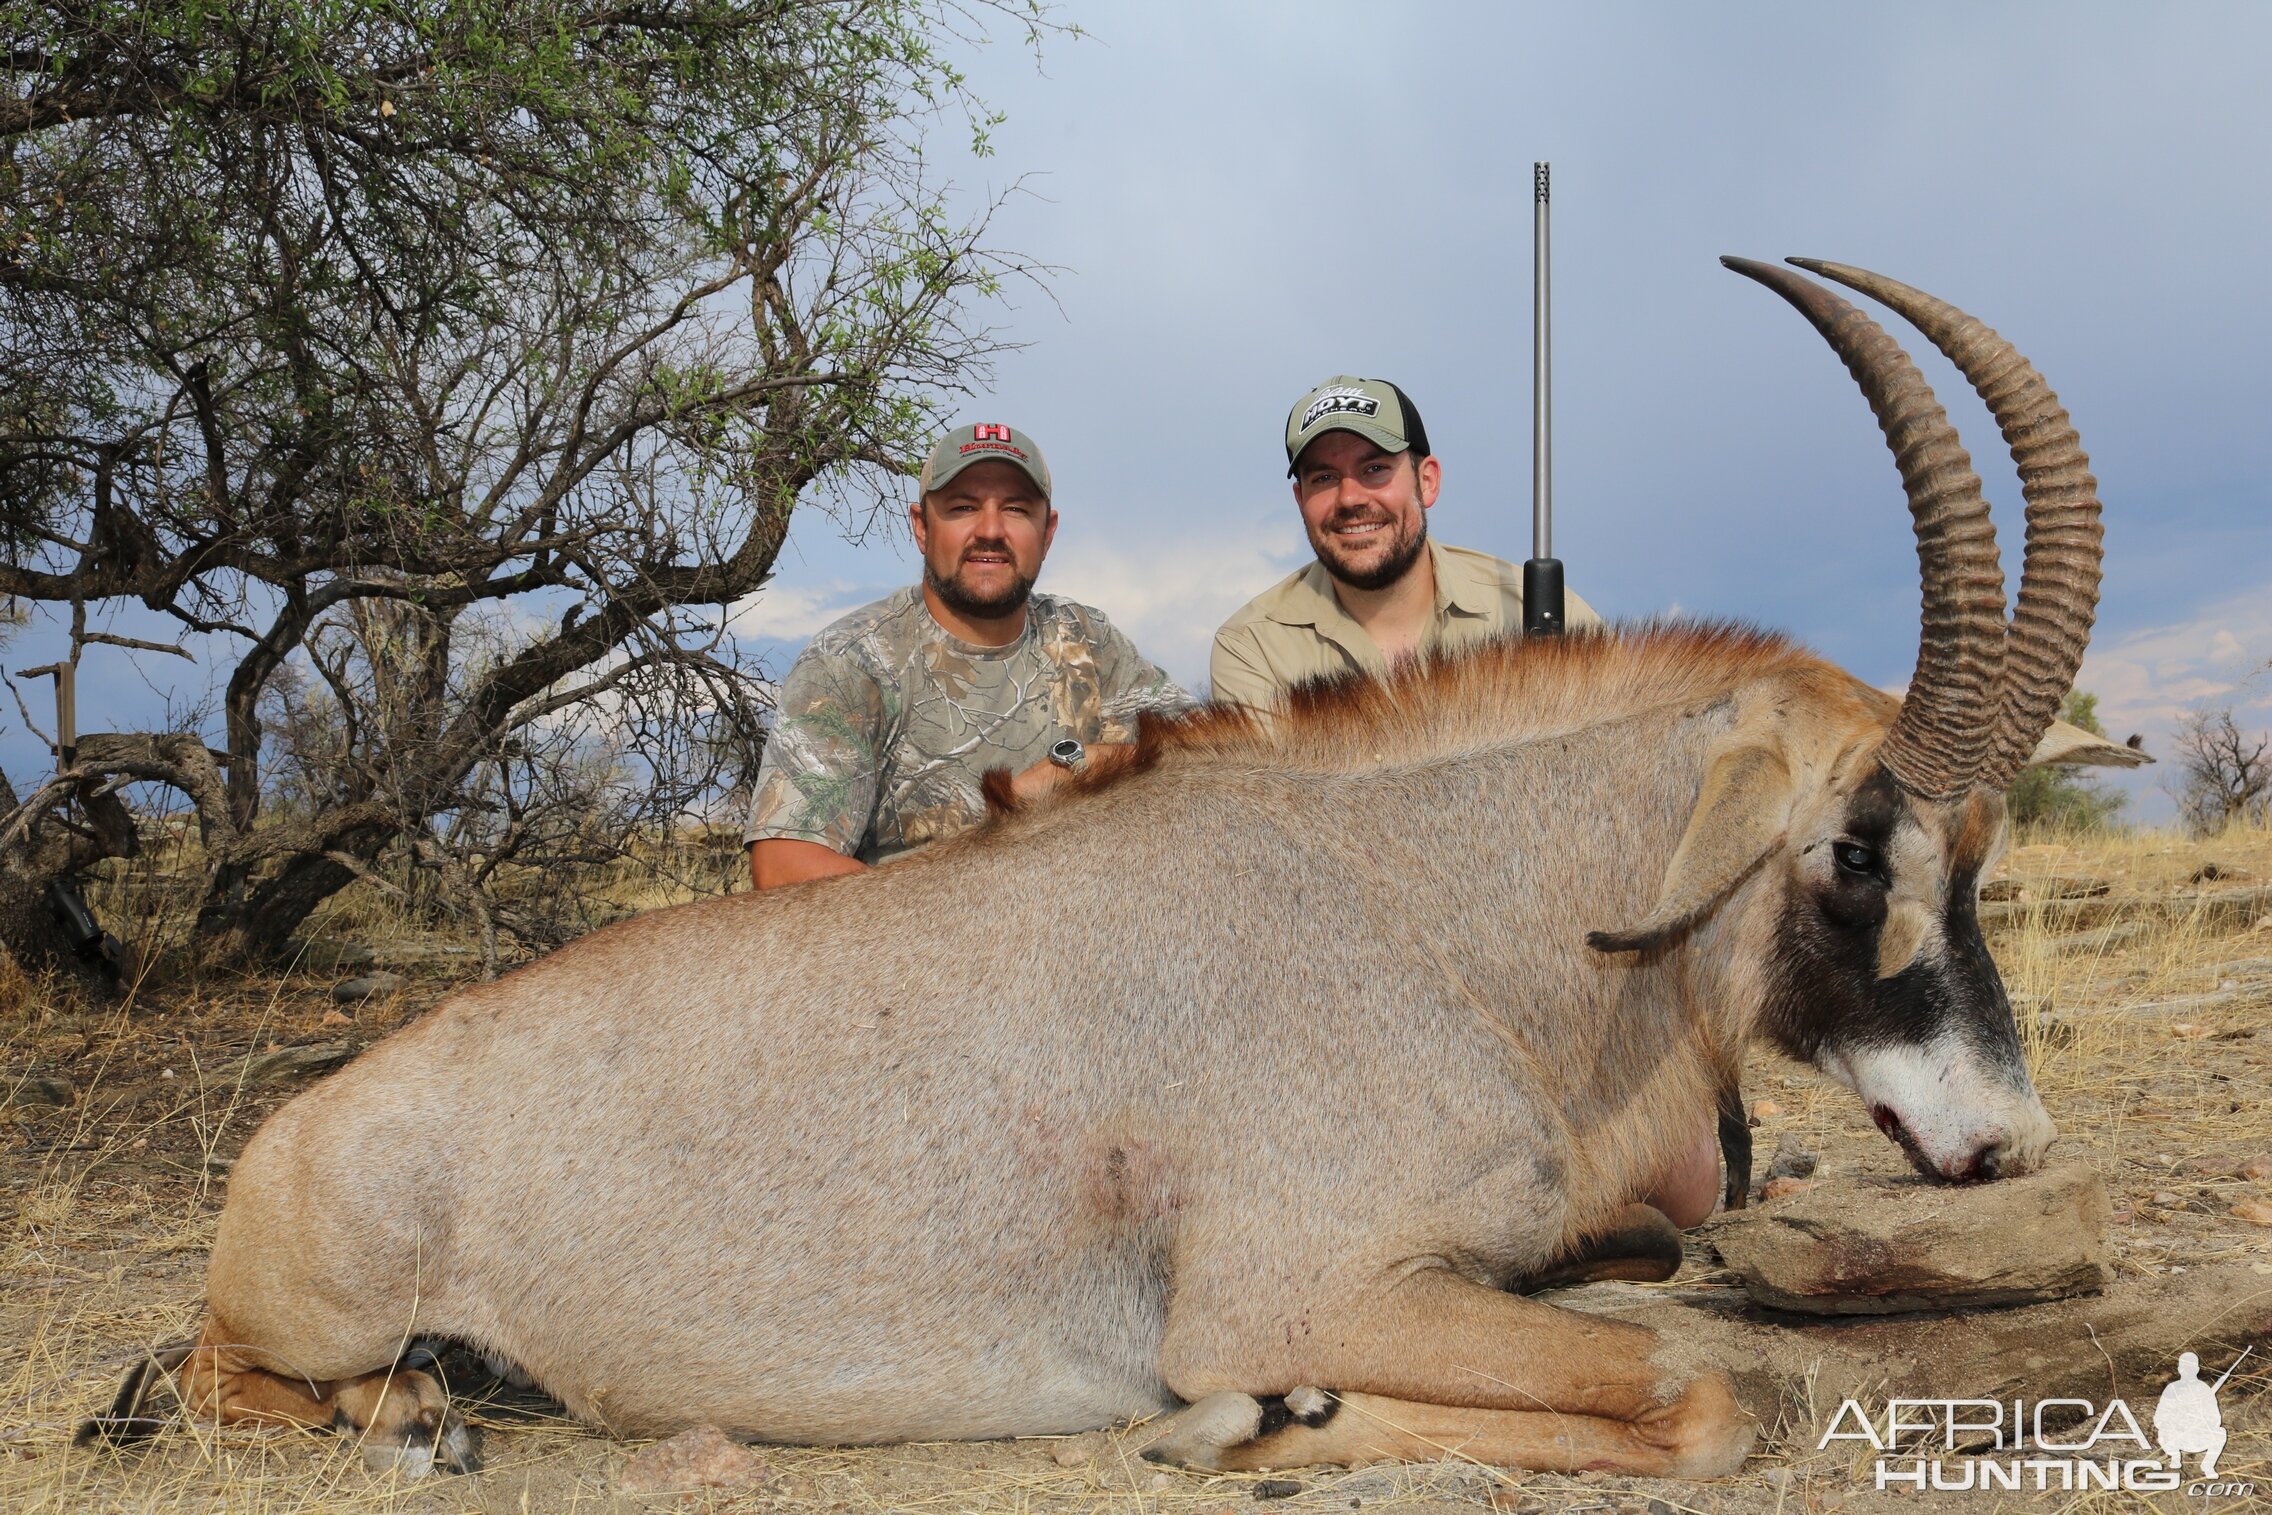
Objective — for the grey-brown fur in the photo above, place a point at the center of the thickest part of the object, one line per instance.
(920, 1153)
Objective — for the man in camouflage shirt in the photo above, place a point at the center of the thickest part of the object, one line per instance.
(892, 714)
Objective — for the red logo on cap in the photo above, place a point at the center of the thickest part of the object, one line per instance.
(990, 433)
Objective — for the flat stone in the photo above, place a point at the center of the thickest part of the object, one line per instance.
(290, 1062)
(356, 990)
(1080, 1451)
(2244, 967)
(1791, 1159)
(703, 1458)
(2099, 939)
(37, 1090)
(401, 953)
(1877, 1246)
(2207, 1000)
(323, 955)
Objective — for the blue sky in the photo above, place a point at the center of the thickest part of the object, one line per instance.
(1245, 198)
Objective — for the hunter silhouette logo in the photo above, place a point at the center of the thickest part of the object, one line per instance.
(2186, 1418)
(2045, 1444)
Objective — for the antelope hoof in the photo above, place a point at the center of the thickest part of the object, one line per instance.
(406, 1426)
(453, 1446)
(1705, 1432)
(1198, 1435)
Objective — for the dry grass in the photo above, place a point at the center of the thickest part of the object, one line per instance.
(2152, 1049)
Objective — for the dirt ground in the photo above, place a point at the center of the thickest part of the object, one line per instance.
(2141, 967)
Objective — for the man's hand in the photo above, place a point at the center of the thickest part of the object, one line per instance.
(1044, 776)
(781, 860)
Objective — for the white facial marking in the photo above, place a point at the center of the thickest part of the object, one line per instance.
(1955, 1113)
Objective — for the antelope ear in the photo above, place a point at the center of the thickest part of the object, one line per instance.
(1741, 814)
(2072, 744)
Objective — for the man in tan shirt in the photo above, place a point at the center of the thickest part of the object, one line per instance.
(1380, 591)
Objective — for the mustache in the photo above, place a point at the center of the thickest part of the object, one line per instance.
(1359, 517)
(1002, 547)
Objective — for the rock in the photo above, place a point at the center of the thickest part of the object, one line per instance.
(1765, 1109)
(355, 990)
(1875, 1246)
(401, 953)
(1791, 1160)
(2067, 888)
(2255, 1211)
(703, 1458)
(289, 1062)
(322, 955)
(2099, 939)
(1080, 1451)
(1782, 1188)
(2211, 872)
(2207, 1000)
(2000, 891)
(1277, 1488)
(333, 1020)
(2245, 967)
(2256, 1169)
(35, 1090)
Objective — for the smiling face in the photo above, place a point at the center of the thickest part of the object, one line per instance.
(983, 535)
(1882, 979)
(1364, 509)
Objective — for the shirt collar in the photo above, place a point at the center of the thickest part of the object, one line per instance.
(1308, 599)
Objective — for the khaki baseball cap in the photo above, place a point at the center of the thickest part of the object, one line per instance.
(1372, 408)
(985, 442)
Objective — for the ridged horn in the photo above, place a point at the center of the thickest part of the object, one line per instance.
(1940, 738)
(2059, 577)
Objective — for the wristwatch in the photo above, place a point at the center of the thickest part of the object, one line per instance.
(1069, 754)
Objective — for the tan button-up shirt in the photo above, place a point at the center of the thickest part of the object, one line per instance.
(1296, 630)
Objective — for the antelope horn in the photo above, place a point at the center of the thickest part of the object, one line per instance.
(2059, 577)
(1940, 739)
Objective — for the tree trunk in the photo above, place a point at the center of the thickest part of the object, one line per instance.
(259, 925)
(29, 929)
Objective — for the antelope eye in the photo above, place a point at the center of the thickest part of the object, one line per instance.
(1853, 857)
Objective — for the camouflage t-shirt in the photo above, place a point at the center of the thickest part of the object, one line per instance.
(887, 722)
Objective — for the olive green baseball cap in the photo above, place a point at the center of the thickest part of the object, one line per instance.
(1374, 409)
(986, 442)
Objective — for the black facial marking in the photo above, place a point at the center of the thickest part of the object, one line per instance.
(1824, 986)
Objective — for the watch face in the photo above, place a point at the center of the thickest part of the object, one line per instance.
(1068, 752)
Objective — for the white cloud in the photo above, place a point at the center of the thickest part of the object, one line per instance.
(2150, 679)
(793, 612)
(2147, 679)
(1169, 594)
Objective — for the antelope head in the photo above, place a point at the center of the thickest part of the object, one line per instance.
(1870, 821)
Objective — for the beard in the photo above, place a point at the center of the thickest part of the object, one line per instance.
(963, 600)
(1401, 554)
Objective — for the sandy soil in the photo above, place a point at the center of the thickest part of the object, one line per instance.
(2153, 1049)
